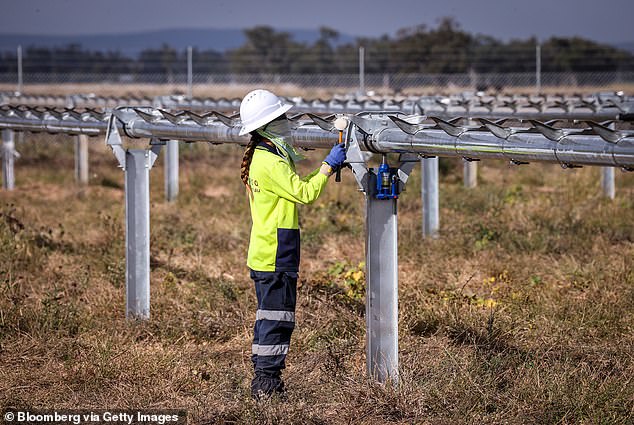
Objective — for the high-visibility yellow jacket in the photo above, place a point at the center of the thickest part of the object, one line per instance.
(277, 189)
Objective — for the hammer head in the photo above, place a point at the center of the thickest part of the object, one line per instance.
(341, 123)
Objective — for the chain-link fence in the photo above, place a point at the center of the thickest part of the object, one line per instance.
(394, 83)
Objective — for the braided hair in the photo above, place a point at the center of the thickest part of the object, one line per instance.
(247, 158)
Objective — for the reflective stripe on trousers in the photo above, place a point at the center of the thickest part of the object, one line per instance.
(269, 350)
(283, 316)
(275, 320)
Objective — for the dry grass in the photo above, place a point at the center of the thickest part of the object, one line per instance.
(520, 313)
(239, 90)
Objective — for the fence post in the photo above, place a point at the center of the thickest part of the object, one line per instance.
(607, 177)
(171, 170)
(8, 159)
(361, 70)
(20, 81)
(81, 159)
(429, 187)
(538, 67)
(189, 72)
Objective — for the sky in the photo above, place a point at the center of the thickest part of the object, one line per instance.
(608, 21)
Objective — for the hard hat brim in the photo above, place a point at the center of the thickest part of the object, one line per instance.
(266, 119)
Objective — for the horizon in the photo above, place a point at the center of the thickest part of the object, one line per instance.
(291, 31)
(565, 18)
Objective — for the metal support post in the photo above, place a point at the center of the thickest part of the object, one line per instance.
(136, 164)
(8, 158)
(381, 309)
(470, 169)
(470, 174)
(429, 185)
(381, 265)
(607, 182)
(81, 159)
(171, 170)
(607, 177)
(189, 72)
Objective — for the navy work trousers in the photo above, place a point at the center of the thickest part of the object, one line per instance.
(274, 320)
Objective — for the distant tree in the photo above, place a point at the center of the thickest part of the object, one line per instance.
(209, 62)
(445, 48)
(577, 54)
(8, 62)
(318, 58)
(265, 51)
(161, 61)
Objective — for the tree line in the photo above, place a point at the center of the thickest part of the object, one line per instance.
(445, 48)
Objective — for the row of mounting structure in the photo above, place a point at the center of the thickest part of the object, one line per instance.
(591, 144)
(597, 107)
(412, 136)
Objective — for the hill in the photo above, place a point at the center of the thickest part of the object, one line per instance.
(134, 42)
(627, 46)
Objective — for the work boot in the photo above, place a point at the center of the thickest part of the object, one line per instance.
(263, 387)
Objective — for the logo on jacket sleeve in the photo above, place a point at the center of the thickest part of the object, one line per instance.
(254, 185)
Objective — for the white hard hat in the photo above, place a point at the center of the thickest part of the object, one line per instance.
(260, 107)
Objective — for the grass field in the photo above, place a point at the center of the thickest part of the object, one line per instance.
(237, 90)
(522, 312)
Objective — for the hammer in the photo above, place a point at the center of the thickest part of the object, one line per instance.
(341, 123)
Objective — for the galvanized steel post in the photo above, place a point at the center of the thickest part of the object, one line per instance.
(136, 164)
(381, 253)
(81, 159)
(470, 169)
(382, 287)
(429, 187)
(470, 173)
(171, 170)
(8, 159)
(607, 182)
(607, 177)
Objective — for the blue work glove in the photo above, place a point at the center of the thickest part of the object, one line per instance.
(337, 156)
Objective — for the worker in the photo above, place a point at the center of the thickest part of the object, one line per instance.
(274, 189)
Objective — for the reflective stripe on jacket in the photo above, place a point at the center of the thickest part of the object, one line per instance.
(276, 187)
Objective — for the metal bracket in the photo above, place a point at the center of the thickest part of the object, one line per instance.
(406, 163)
(113, 139)
(8, 151)
(357, 161)
(155, 149)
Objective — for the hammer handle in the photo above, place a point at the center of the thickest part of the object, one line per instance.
(338, 175)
